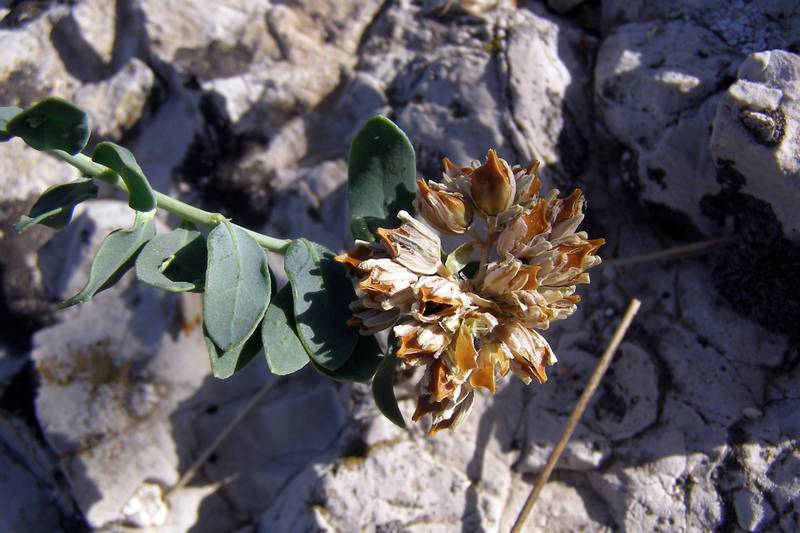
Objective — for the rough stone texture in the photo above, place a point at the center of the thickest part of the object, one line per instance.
(118, 103)
(666, 114)
(757, 133)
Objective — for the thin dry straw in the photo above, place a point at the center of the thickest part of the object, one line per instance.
(673, 253)
(577, 413)
(200, 461)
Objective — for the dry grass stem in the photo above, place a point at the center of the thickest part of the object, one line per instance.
(687, 250)
(233, 424)
(577, 413)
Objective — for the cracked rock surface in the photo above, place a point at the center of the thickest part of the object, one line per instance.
(680, 121)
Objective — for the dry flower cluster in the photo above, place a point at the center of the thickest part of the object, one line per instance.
(473, 317)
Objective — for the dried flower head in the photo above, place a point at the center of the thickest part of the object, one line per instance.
(470, 320)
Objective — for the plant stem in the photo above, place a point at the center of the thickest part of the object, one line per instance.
(678, 252)
(577, 413)
(167, 203)
(233, 424)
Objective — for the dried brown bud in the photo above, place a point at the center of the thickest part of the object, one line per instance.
(493, 185)
(445, 211)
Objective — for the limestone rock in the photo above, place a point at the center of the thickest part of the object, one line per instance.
(27, 173)
(31, 67)
(654, 86)
(757, 132)
(747, 26)
(495, 82)
(694, 426)
(117, 104)
(96, 22)
(95, 367)
(32, 498)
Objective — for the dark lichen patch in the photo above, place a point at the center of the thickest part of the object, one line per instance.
(657, 176)
(757, 275)
(670, 222)
(212, 168)
(730, 179)
(767, 127)
(610, 404)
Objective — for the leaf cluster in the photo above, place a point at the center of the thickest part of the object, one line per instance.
(304, 322)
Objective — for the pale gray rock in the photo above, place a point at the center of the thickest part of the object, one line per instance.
(264, 63)
(459, 90)
(117, 104)
(208, 40)
(751, 510)
(698, 411)
(698, 370)
(26, 172)
(31, 67)
(649, 497)
(96, 21)
(32, 499)
(106, 374)
(549, 91)
(757, 132)
(159, 154)
(562, 507)
(707, 314)
(303, 422)
(747, 26)
(356, 493)
(654, 88)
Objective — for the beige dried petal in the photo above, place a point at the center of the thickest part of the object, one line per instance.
(385, 277)
(437, 298)
(530, 350)
(446, 211)
(420, 341)
(499, 274)
(413, 245)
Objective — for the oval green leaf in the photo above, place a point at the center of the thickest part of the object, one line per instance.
(284, 352)
(115, 256)
(52, 124)
(54, 207)
(362, 364)
(237, 289)
(321, 295)
(119, 159)
(383, 386)
(224, 364)
(381, 177)
(6, 114)
(174, 261)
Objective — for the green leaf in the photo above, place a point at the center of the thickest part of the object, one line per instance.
(54, 207)
(381, 177)
(6, 114)
(383, 386)
(321, 293)
(224, 364)
(140, 195)
(52, 124)
(174, 261)
(115, 256)
(362, 364)
(284, 352)
(237, 289)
